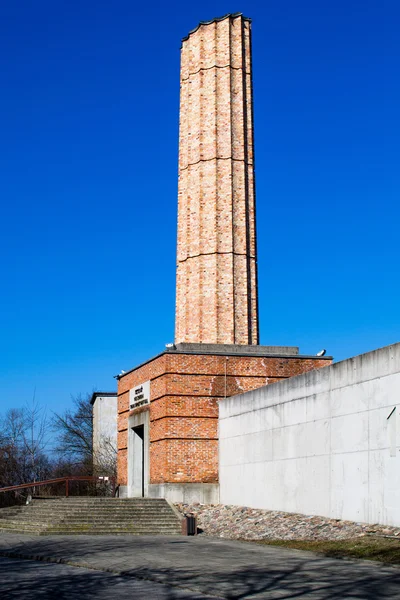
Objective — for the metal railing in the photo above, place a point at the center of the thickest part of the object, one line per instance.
(66, 480)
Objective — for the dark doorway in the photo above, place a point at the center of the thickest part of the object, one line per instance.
(138, 460)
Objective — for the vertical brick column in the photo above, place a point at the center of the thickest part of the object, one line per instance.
(216, 289)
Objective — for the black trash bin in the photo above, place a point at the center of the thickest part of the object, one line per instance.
(191, 524)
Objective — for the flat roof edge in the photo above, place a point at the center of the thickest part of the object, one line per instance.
(230, 354)
(101, 394)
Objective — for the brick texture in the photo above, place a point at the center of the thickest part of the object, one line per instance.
(184, 392)
(216, 291)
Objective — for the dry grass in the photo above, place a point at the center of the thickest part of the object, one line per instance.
(381, 549)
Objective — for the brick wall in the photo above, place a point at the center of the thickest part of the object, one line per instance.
(184, 391)
(216, 290)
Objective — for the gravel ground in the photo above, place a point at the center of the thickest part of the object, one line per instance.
(238, 522)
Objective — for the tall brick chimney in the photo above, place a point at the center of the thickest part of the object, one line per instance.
(216, 289)
(168, 407)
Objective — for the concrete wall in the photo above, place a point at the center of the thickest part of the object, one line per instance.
(187, 493)
(320, 443)
(105, 412)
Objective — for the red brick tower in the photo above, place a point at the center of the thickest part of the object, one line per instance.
(168, 406)
(216, 292)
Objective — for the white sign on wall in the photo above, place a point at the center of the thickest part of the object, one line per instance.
(139, 395)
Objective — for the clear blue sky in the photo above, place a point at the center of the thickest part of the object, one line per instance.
(88, 186)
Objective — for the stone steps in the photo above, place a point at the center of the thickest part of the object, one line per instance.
(93, 521)
(94, 516)
(88, 510)
(149, 529)
(99, 515)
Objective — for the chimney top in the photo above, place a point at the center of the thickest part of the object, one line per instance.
(216, 19)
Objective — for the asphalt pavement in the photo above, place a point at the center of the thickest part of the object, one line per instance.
(181, 567)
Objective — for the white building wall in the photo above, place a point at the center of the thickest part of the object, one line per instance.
(105, 412)
(320, 443)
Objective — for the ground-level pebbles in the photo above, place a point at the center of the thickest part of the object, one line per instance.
(237, 522)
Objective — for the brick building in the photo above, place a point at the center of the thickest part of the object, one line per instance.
(168, 406)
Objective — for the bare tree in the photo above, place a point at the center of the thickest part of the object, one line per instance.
(23, 440)
(75, 430)
(25, 444)
(11, 436)
(35, 440)
(105, 457)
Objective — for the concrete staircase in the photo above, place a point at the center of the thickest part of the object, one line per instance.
(92, 516)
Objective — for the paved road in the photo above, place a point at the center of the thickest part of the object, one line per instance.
(27, 579)
(179, 567)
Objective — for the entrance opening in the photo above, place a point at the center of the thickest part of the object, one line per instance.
(138, 460)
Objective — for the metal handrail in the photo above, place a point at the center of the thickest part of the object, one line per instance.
(22, 486)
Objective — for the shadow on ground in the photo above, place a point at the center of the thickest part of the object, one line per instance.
(30, 580)
(295, 581)
(218, 568)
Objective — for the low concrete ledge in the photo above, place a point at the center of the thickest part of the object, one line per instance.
(186, 493)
